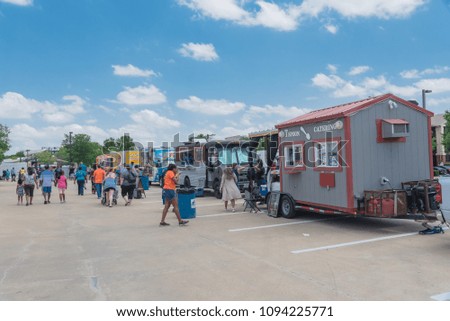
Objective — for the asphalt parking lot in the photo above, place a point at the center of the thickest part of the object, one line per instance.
(82, 250)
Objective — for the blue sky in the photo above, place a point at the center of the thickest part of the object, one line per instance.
(228, 67)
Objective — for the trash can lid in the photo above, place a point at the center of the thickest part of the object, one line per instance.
(186, 190)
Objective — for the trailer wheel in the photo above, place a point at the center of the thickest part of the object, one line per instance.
(216, 188)
(287, 207)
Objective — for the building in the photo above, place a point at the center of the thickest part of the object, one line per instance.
(438, 126)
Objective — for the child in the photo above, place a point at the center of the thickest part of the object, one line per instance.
(62, 186)
(20, 190)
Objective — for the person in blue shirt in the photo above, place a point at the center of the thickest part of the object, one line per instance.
(47, 179)
(80, 178)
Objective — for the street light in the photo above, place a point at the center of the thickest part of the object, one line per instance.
(27, 156)
(424, 92)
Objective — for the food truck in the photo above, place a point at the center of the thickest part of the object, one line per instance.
(201, 164)
(371, 157)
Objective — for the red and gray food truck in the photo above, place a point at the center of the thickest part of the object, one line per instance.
(371, 157)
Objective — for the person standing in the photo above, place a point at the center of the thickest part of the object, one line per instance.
(47, 178)
(29, 183)
(128, 183)
(13, 175)
(58, 171)
(229, 189)
(110, 186)
(62, 186)
(170, 196)
(20, 191)
(80, 178)
(98, 176)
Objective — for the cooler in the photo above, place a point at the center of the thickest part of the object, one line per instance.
(145, 182)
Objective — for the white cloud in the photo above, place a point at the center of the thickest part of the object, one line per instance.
(383, 9)
(327, 82)
(358, 70)
(441, 102)
(331, 28)
(414, 73)
(132, 71)
(150, 118)
(278, 110)
(22, 3)
(217, 9)
(438, 85)
(332, 68)
(141, 95)
(410, 74)
(370, 86)
(25, 136)
(273, 16)
(58, 117)
(15, 106)
(199, 51)
(286, 17)
(210, 107)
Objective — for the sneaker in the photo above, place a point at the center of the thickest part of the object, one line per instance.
(164, 224)
(45, 202)
(182, 223)
(233, 210)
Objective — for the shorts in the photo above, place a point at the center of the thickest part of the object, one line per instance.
(169, 194)
(61, 190)
(127, 190)
(29, 190)
(110, 188)
(46, 189)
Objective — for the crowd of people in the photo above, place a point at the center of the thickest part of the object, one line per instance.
(105, 183)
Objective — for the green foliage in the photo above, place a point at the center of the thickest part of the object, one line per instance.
(82, 148)
(4, 141)
(119, 144)
(446, 141)
(45, 157)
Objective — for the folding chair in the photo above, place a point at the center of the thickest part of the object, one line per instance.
(250, 202)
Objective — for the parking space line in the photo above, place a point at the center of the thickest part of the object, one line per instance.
(279, 225)
(219, 214)
(441, 297)
(328, 247)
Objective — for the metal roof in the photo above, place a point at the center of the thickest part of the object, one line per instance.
(346, 110)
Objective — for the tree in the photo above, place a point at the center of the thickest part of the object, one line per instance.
(207, 137)
(4, 141)
(45, 157)
(446, 141)
(119, 144)
(82, 148)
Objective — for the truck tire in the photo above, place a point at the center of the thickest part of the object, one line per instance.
(287, 207)
(216, 188)
(187, 182)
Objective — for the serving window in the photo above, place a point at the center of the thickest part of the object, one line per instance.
(326, 154)
(294, 156)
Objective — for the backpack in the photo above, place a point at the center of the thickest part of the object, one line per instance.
(131, 177)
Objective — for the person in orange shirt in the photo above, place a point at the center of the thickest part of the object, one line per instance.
(169, 188)
(98, 176)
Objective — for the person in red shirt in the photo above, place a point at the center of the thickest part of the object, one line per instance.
(170, 196)
(97, 177)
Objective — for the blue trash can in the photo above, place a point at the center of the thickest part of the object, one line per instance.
(186, 202)
(144, 182)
